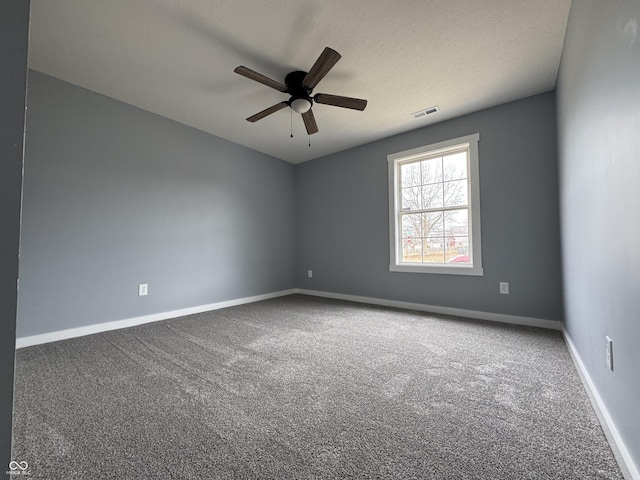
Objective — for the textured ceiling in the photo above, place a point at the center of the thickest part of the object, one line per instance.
(176, 58)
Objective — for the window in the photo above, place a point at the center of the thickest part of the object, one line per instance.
(434, 208)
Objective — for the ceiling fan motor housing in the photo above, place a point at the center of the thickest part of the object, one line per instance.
(293, 81)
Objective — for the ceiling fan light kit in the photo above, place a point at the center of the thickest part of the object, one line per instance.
(300, 105)
(299, 85)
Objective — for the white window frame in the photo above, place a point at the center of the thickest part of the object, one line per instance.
(395, 235)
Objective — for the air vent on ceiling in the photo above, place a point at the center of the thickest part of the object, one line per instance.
(426, 111)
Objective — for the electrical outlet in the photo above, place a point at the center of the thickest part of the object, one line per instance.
(609, 347)
(504, 288)
(310, 273)
(143, 289)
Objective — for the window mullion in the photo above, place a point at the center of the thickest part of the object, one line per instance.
(432, 210)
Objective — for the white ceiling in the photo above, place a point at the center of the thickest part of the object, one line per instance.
(176, 58)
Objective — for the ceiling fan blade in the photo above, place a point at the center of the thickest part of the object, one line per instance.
(310, 122)
(325, 62)
(258, 77)
(267, 111)
(338, 101)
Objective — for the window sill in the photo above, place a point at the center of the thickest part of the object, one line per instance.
(440, 270)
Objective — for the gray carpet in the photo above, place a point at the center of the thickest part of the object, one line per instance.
(308, 388)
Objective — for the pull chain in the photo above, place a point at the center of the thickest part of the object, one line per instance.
(309, 141)
(291, 110)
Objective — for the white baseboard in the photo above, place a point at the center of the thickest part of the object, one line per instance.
(620, 451)
(458, 312)
(29, 341)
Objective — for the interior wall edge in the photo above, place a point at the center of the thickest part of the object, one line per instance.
(14, 40)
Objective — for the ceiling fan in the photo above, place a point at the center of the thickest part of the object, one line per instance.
(299, 86)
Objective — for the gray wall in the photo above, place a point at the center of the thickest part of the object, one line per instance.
(115, 196)
(14, 34)
(599, 138)
(342, 217)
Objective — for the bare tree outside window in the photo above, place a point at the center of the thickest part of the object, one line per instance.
(434, 209)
